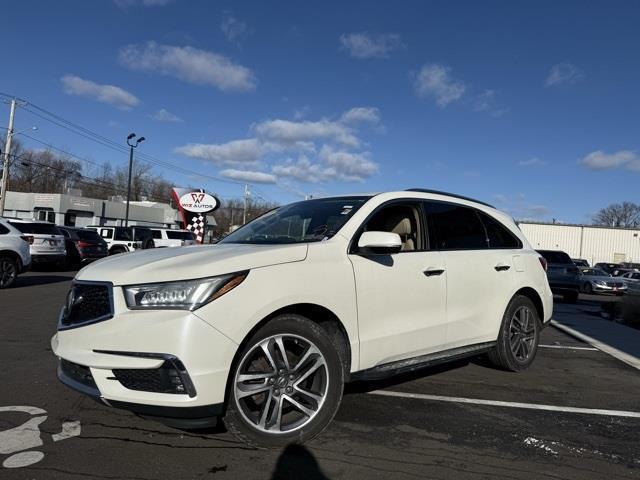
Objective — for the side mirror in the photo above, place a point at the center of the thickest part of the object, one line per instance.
(380, 243)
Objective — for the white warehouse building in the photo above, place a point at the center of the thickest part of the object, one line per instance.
(593, 243)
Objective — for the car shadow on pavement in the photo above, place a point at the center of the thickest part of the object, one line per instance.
(365, 386)
(32, 280)
(296, 462)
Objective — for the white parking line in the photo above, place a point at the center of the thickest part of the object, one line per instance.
(614, 352)
(498, 403)
(568, 347)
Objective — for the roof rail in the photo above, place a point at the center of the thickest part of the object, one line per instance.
(438, 192)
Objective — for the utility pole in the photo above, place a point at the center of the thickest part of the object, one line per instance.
(131, 147)
(7, 153)
(246, 203)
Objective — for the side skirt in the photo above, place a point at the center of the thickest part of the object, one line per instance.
(410, 364)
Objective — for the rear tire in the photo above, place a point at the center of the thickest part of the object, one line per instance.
(291, 398)
(519, 336)
(8, 271)
(588, 289)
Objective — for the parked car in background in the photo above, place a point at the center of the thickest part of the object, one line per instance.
(630, 265)
(166, 237)
(143, 235)
(607, 267)
(631, 277)
(301, 300)
(119, 239)
(618, 272)
(45, 240)
(595, 280)
(83, 245)
(15, 257)
(580, 262)
(563, 275)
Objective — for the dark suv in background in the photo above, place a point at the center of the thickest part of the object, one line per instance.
(563, 274)
(83, 245)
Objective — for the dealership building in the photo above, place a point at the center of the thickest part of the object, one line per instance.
(593, 243)
(74, 210)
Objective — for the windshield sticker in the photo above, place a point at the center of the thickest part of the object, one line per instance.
(346, 210)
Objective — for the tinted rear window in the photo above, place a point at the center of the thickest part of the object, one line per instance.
(37, 228)
(88, 235)
(553, 256)
(499, 235)
(180, 235)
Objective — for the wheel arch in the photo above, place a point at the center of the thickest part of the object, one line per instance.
(318, 314)
(535, 298)
(15, 256)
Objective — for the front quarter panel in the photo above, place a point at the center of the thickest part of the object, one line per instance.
(324, 278)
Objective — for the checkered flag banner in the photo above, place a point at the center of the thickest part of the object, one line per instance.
(196, 225)
(194, 205)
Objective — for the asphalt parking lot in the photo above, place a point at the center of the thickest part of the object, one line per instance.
(574, 414)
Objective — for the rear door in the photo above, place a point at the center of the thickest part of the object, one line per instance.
(479, 280)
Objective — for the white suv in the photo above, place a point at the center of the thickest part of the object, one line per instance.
(119, 239)
(15, 257)
(45, 240)
(165, 237)
(264, 327)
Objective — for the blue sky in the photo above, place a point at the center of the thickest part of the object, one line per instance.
(530, 106)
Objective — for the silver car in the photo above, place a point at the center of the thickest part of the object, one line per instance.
(595, 280)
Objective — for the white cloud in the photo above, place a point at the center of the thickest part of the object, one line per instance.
(486, 102)
(521, 209)
(326, 150)
(233, 29)
(236, 152)
(290, 132)
(116, 96)
(532, 162)
(188, 64)
(434, 80)
(562, 73)
(600, 160)
(361, 115)
(248, 176)
(164, 115)
(364, 45)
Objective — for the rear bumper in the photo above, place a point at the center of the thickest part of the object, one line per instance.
(47, 257)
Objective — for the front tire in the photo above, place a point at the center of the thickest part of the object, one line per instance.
(519, 336)
(287, 384)
(588, 289)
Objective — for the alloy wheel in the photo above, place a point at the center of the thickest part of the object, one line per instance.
(522, 333)
(7, 272)
(281, 383)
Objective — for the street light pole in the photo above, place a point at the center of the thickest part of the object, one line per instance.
(131, 147)
(7, 152)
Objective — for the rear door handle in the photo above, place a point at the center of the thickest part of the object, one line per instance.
(502, 268)
(432, 272)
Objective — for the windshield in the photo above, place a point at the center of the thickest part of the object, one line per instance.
(301, 222)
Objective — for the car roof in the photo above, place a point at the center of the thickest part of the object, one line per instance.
(27, 220)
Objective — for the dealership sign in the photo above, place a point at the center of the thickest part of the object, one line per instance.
(198, 202)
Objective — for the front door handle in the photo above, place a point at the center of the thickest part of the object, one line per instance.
(501, 268)
(432, 272)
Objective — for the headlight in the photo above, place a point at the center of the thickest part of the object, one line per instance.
(183, 295)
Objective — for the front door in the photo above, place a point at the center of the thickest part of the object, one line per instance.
(401, 297)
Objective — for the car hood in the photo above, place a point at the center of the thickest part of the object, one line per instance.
(183, 263)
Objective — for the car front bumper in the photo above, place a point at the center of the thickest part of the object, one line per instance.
(127, 361)
(606, 289)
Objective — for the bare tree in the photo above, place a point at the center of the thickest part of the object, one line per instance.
(625, 214)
